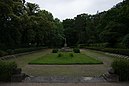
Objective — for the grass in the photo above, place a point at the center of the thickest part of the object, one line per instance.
(65, 59)
(23, 61)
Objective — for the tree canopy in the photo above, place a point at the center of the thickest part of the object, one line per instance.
(24, 24)
(105, 27)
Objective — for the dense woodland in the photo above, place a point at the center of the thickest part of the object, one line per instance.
(24, 24)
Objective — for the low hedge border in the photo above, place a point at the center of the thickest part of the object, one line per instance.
(111, 50)
(20, 50)
(121, 68)
(6, 70)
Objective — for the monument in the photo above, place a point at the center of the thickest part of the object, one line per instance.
(65, 48)
(65, 44)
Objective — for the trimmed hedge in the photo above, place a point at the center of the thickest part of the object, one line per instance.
(22, 50)
(55, 51)
(102, 45)
(111, 50)
(3, 53)
(6, 70)
(121, 67)
(76, 50)
(17, 51)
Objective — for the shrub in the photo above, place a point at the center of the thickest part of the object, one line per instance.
(22, 50)
(6, 70)
(71, 54)
(17, 51)
(102, 45)
(3, 53)
(111, 50)
(121, 67)
(10, 51)
(125, 41)
(54, 50)
(76, 50)
(60, 55)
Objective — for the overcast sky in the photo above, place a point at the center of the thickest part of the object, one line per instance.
(63, 9)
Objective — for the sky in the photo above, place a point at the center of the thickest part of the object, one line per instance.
(63, 9)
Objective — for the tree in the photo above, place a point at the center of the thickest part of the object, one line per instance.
(32, 8)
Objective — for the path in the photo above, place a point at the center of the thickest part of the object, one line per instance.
(64, 79)
(66, 70)
(64, 84)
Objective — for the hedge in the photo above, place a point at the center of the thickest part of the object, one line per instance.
(121, 67)
(111, 50)
(76, 50)
(6, 70)
(3, 53)
(17, 51)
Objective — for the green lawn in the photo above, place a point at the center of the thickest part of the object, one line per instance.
(65, 59)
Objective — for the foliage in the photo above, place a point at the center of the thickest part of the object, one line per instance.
(71, 55)
(121, 67)
(55, 51)
(60, 55)
(51, 59)
(25, 24)
(6, 70)
(19, 50)
(76, 50)
(3, 53)
(125, 41)
(111, 50)
(102, 45)
(103, 27)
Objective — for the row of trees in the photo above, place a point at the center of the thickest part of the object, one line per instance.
(111, 27)
(23, 24)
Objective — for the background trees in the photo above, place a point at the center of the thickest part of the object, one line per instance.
(23, 24)
(106, 27)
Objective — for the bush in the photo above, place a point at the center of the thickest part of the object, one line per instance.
(22, 50)
(102, 45)
(17, 51)
(60, 55)
(71, 54)
(54, 50)
(10, 51)
(121, 67)
(111, 50)
(6, 70)
(76, 50)
(3, 53)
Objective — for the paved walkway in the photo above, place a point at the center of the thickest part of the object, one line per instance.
(64, 79)
(64, 84)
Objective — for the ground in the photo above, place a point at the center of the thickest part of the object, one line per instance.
(64, 70)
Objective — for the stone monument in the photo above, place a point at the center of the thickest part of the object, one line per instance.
(65, 48)
(65, 44)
